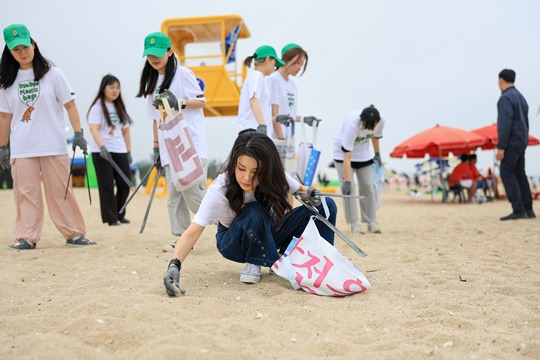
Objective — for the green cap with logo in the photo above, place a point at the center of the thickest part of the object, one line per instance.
(15, 35)
(289, 47)
(267, 51)
(156, 44)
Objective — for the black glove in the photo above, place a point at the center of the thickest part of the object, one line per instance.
(377, 158)
(4, 157)
(310, 120)
(157, 158)
(104, 153)
(80, 141)
(284, 119)
(346, 188)
(314, 196)
(130, 159)
(172, 278)
(173, 101)
(261, 129)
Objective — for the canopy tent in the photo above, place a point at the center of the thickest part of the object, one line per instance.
(492, 137)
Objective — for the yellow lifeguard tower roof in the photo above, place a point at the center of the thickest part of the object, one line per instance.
(206, 45)
(201, 29)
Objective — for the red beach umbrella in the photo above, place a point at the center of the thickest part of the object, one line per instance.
(490, 133)
(438, 142)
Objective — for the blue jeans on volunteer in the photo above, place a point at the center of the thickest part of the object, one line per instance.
(252, 238)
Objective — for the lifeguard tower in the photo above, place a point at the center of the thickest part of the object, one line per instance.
(207, 46)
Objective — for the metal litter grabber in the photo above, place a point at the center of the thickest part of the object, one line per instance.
(136, 189)
(69, 176)
(329, 224)
(87, 179)
(150, 201)
(121, 173)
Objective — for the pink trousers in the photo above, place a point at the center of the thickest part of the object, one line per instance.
(65, 214)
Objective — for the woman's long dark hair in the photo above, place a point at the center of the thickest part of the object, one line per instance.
(272, 188)
(149, 77)
(118, 103)
(9, 67)
(370, 117)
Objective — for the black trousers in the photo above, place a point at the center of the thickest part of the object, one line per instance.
(515, 179)
(107, 178)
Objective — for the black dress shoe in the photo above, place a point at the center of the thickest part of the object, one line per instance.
(114, 223)
(514, 216)
(531, 214)
(124, 221)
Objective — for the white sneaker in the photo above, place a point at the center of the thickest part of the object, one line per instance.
(251, 274)
(374, 228)
(357, 229)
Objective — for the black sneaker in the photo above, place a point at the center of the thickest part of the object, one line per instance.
(124, 221)
(514, 216)
(22, 245)
(531, 214)
(79, 241)
(114, 223)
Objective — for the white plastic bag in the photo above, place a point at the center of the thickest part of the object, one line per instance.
(312, 264)
(185, 165)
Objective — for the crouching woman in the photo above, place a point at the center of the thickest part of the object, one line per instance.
(249, 201)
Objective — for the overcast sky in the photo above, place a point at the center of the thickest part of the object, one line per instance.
(421, 63)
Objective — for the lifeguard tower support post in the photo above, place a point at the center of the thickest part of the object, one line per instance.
(207, 46)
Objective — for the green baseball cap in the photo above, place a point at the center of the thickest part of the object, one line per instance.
(267, 51)
(289, 47)
(15, 35)
(156, 44)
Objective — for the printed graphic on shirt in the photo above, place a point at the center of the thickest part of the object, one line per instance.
(363, 138)
(115, 120)
(28, 92)
(290, 98)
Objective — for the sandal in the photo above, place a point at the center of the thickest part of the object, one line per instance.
(79, 241)
(22, 245)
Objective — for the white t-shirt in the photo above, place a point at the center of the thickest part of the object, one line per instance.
(284, 94)
(215, 205)
(113, 137)
(355, 138)
(185, 87)
(254, 86)
(38, 125)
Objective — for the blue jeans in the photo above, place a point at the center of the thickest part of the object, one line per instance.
(252, 238)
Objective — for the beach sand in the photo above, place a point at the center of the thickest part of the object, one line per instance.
(448, 281)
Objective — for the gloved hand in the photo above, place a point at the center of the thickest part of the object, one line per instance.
(314, 196)
(377, 158)
(262, 129)
(4, 157)
(284, 119)
(310, 120)
(130, 159)
(157, 158)
(346, 188)
(80, 141)
(104, 153)
(173, 101)
(172, 278)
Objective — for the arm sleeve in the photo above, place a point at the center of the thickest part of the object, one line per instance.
(95, 116)
(64, 92)
(273, 88)
(192, 90)
(255, 86)
(4, 104)
(504, 121)
(293, 184)
(378, 132)
(210, 208)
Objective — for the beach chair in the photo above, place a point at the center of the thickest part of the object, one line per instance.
(457, 190)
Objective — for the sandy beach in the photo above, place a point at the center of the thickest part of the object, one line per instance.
(449, 281)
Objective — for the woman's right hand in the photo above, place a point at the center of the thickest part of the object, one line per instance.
(172, 279)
